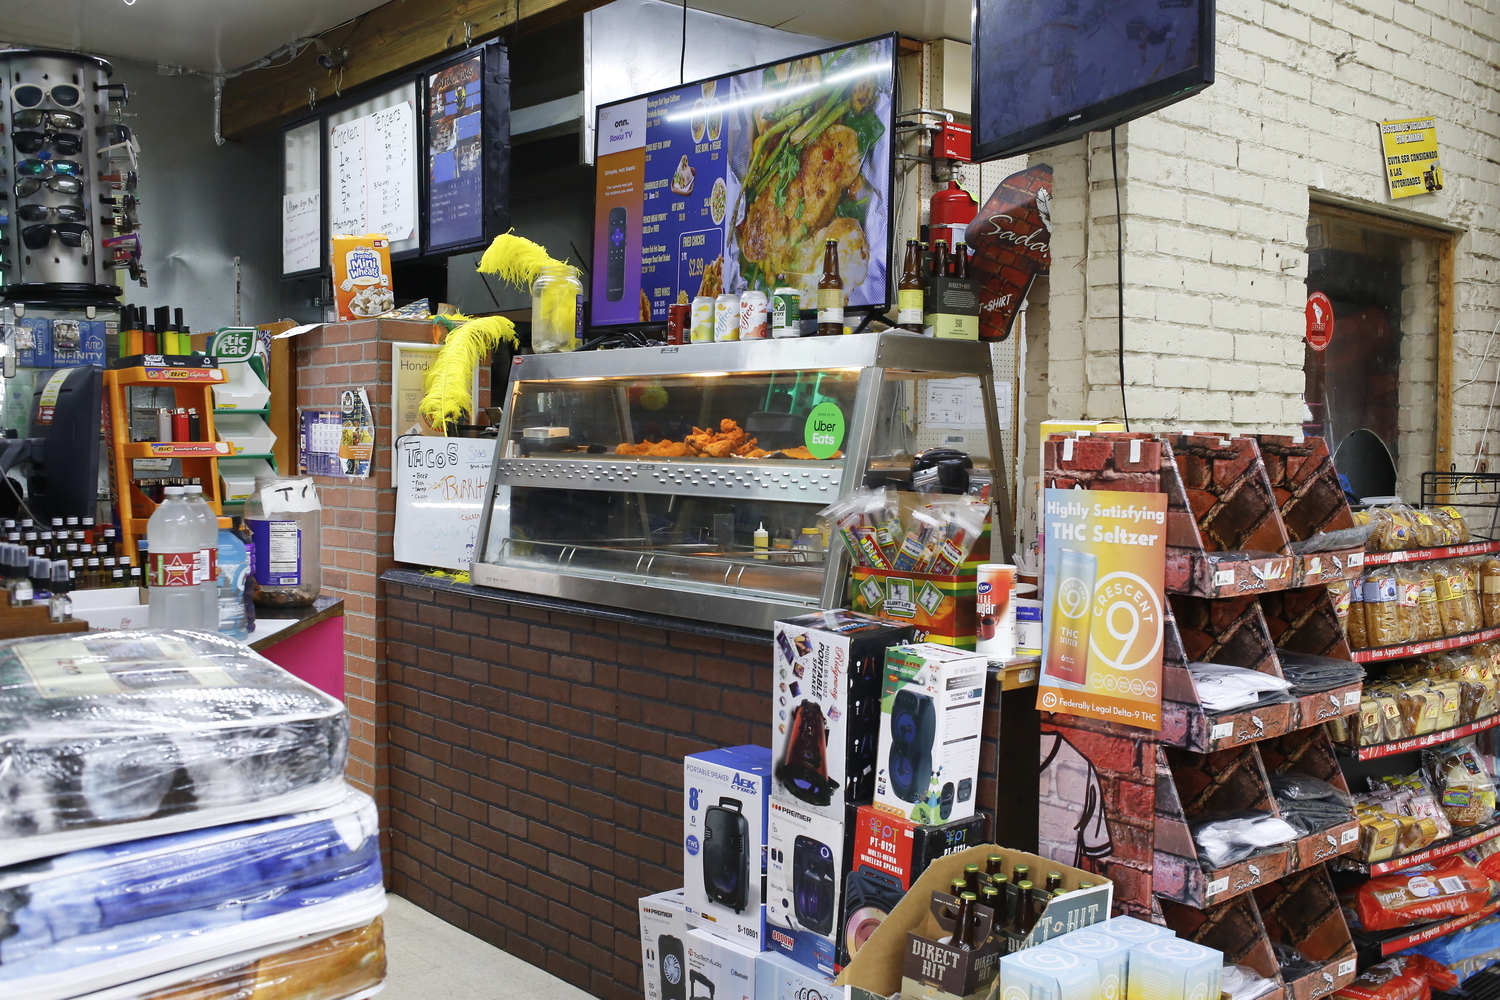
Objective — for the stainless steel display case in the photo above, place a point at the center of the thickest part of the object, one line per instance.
(594, 495)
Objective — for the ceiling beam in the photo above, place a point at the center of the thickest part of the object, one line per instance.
(391, 38)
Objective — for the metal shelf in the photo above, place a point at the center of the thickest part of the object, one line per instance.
(1426, 740)
(1441, 849)
(788, 480)
(1440, 552)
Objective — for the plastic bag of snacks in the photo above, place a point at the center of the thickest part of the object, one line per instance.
(1450, 888)
(1405, 977)
(1465, 789)
(1411, 795)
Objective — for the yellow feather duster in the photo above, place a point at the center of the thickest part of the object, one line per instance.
(520, 261)
(447, 398)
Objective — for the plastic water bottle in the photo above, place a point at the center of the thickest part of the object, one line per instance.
(208, 550)
(234, 571)
(175, 534)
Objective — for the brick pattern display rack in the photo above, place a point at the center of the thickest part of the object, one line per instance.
(536, 763)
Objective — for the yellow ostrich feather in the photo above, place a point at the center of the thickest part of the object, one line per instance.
(520, 261)
(447, 397)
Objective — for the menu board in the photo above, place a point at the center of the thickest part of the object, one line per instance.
(372, 174)
(455, 191)
(728, 183)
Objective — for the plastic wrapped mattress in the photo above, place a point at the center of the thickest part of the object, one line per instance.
(103, 917)
(164, 730)
(349, 965)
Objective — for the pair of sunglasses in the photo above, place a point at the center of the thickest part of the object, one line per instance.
(49, 168)
(61, 183)
(120, 180)
(114, 134)
(29, 95)
(62, 143)
(64, 213)
(56, 119)
(71, 234)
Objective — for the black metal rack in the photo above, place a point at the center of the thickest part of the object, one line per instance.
(1475, 494)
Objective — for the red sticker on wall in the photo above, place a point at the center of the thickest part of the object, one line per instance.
(1319, 321)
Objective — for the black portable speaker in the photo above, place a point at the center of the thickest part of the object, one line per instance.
(804, 770)
(813, 885)
(913, 729)
(726, 857)
(699, 979)
(673, 967)
(869, 897)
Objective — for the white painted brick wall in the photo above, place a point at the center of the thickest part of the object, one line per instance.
(1216, 192)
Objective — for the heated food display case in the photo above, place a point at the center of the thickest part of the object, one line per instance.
(687, 480)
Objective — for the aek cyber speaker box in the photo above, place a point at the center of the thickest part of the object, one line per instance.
(673, 962)
(913, 729)
(813, 886)
(869, 897)
(804, 770)
(726, 855)
(707, 985)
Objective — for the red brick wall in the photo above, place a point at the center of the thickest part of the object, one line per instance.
(536, 769)
(359, 519)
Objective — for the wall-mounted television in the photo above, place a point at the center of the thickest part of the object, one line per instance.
(726, 183)
(1046, 71)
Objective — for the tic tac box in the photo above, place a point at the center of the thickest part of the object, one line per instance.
(1110, 954)
(903, 849)
(804, 885)
(825, 721)
(778, 977)
(664, 928)
(1170, 968)
(719, 969)
(1049, 971)
(1133, 930)
(724, 794)
(931, 714)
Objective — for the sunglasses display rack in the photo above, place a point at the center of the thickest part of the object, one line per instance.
(69, 161)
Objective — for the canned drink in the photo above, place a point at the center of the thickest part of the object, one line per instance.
(996, 610)
(679, 315)
(701, 329)
(726, 317)
(786, 312)
(754, 323)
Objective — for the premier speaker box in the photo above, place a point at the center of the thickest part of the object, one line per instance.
(825, 716)
(724, 836)
(931, 714)
(804, 883)
(719, 969)
(664, 927)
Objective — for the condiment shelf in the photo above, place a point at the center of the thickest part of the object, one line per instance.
(1424, 555)
(1461, 841)
(1374, 947)
(1391, 748)
(1382, 653)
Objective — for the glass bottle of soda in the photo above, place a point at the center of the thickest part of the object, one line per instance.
(830, 293)
(909, 291)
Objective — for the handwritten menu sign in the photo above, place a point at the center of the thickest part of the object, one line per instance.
(440, 487)
(373, 189)
(301, 218)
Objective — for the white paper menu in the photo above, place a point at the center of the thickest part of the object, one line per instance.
(301, 227)
(374, 189)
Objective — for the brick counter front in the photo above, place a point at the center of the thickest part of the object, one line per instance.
(535, 761)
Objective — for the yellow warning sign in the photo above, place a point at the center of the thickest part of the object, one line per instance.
(1411, 156)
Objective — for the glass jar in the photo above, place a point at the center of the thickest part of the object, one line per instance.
(285, 518)
(554, 309)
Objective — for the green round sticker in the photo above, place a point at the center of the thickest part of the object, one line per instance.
(824, 431)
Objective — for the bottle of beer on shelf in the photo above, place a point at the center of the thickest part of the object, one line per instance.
(961, 258)
(909, 291)
(1054, 881)
(830, 293)
(991, 897)
(957, 886)
(1039, 900)
(994, 865)
(971, 879)
(1022, 922)
(963, 930)
(1019, 874)
(940, 259)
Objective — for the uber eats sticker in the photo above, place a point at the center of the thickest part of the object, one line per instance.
(824, 431)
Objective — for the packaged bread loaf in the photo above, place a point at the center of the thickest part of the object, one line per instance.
(1354, 621)
(1388, 621)
(1489, 591)
(1402, 533)
(1427, 531)
(1452, 531)
(1470, 570)
(1452, 600)
(1458, 526)
(1429, 624)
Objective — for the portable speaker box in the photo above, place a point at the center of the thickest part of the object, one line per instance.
(719, 969)
(825, 708)
(664, 927)
(778, 977)
(804, 885)
(724, 794)
(931, 715)
(903, 849)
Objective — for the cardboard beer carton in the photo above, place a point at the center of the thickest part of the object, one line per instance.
(1109, 953)
(933, 966)
(1171, 968)
(1049, 971)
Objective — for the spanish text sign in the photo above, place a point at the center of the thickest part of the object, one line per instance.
(1102, 611)
(1411, 156)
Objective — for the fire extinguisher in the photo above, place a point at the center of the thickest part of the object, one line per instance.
(951, 212)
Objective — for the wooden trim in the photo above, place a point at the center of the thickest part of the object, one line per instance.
(398, 36)
(282, 380)
(1443, 443)
(1383, 223)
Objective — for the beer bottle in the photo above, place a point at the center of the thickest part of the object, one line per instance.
(957, 886)
(990, 896)
(1020, 873)
(1084, 885)
(1021, 923)
(961, 261)
(971, 879)
(963, 930)
(1054, 881)
(940, 259)
(909, 291)
(994, 864)
(1039, 900)
(830, 293)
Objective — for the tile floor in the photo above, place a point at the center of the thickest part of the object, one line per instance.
(430, 959)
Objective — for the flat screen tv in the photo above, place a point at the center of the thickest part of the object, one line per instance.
(724, 184)
(1046, 71)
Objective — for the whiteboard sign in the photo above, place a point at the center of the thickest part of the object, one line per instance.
(440, 487)
(301, 229)
(373, 175)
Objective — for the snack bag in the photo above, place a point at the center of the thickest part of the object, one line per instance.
(362, 276)
(1465, 789)
(1405, 977)
(1450, 888)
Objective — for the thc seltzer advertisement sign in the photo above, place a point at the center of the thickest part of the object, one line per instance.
(1102, 605)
